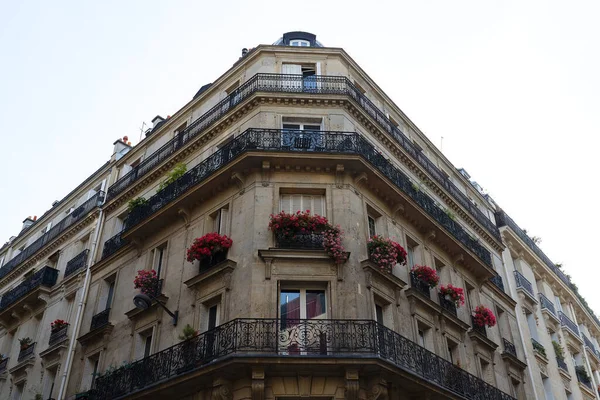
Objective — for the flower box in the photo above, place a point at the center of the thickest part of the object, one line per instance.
(453, 294)
(483, 316)
(147, 282)
(385, 253)
(207, 263)
(426, 275)
(210, 249)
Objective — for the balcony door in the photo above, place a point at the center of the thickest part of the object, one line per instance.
(302, 136)
(301, 332)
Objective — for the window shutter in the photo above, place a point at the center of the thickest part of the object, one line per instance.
(318, 206)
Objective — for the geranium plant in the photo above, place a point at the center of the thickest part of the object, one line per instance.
(147, 282)
(288, 225)
(25, 342)
(456, 294)
(385, 253)
(207, 246)
(483, 316)
(426, 274)
(57, 325)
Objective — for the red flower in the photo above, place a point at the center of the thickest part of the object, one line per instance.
(456, 294)
(483, 316)
(207, 246)
(386, 253)
(147, 282)
(58, 324)
(426, 274)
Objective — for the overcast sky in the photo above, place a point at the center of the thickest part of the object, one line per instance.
(512, 86)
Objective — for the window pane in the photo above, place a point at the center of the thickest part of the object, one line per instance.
(291, 126)
(315, 303)
(147, 346)
(379, 314)
(312, 127)
(290, 304)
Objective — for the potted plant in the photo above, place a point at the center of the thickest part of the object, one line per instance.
(426, 274)
(453, 293)
(385, 253)
(483, 316)
(147, 282)
(209, 249)
(25, 343)
(57, 325)
(177, 172)
(188, 332)
(582, 373)
(558, 350)
(135, 203)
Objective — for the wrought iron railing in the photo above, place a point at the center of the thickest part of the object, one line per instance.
(562, 364)
(538, 347)
(497, 280)
(419, 285)
(524, 283)
(480, 329)
(308, 241)
(509, 347)
(3, 364)
(566, 322)
(100, 320)
(26, 353)
(112, 245)
(547, 304)
(297, 338)
(58, 335)
(207, 263)
(447, 304)
(324, 142)
(588, 342)
(297, 84)
(75, 216)
(582, 376)
(76, 263)
(45, 277)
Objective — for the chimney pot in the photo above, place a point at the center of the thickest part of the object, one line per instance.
(35, 217)
(125, 139)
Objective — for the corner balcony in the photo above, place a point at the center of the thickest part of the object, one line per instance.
(570, 329)
(30, 295)
(53, 233)
(321, 345)
(314, 85)
(320, 149)
(77, 263)
(525, 289)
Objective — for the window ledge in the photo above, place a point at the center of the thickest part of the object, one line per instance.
(268, 255)
(101, 332)
(222, 268)
(482, 341)
(510, 358)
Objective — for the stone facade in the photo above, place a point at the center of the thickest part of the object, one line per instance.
(286, 128)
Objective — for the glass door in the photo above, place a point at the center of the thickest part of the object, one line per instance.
(300, 331)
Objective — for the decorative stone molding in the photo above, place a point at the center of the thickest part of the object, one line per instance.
(266, 173)
(258, 383)
(339, 176)
(378, 389)
(352, 384)
(221, 390)
(185, 215)
(239, 181)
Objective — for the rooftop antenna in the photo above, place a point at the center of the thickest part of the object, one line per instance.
(142, 131)
(442, 144)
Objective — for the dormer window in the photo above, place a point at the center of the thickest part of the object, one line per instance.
(300, 43)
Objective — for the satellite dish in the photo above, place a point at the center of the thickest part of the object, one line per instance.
(142, 301)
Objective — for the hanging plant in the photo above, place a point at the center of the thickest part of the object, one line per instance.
(147, 282)
(177, 172)
(386, 253)
(57, 325)
(426, 274)
(453, 293)
(483, 316)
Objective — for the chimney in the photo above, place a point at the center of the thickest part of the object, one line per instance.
(157, 120)
(122, 146)
(27, 222)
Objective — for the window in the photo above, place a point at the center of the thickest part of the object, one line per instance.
(46, 228)
(486, 371)
(290, 203)
(302, 133)
(144, 344)
(547, 388)
(470, 297)
(213, 314)
(424, 335)
(371, 222)
(383, 312)
(412, 253)
(302, 304)
(379, 314)
(158, 258)
(308, 72)
(1, 261)
(516, 387)
(300, 43)
(532, 324)
(421, 338)
(210, 314)
(220, 220)
(453, 352)
(108, 291)
(18, 393)
(49, 381)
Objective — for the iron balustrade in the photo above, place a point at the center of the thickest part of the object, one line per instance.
(448, 305)
(44, 277)
(100, 320)
(498, 282)
(26, 353)
(480, 329)
(318, 84)
(509, 347)
(75, 216)
(566, 322)
(547, 304)
(419, 285)
(562, 364)
(255, 139)
(3, 364)
(207, 263)
(537, 346)
(307, 241)
(524, 283)
(582, 376)
(299, 339)
(76, 263)
(58, 335)
(588, 343)
(112, 245)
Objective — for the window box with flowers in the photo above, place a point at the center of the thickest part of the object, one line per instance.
(210, 250)
(451, 298)
(58, 331)
(385, 253)
(482, 317)
(423, 278)
(148, 283)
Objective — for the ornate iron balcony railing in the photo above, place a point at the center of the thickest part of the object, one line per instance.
(448, 305)
(419, 285)
(99, 320)
(562, 364)
(112, 245)
(76, 263)
(309, 241)
(583, 377)
(297, 338)
(45, 277)
(479, 329)
(509, 347)
(279, 140)
(524, 283)
(547, 304)
(497, 280)
(537, 346)
(588, 342)
(75, 216)
(4, 364)
(58, 336)
(297, 84)
(566, 322)
(26, 353)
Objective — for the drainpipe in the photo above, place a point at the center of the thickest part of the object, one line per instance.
(513, 293)
(64, 380)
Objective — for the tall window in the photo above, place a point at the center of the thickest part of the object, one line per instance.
(50, 379)
(110, 293)
(290, 203)
(220, 220)
(412, 252)
(144, 343)
(159, 258)
(302, 304)
(371, 222)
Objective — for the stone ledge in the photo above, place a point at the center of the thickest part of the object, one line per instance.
(268, 255)
(222, 268)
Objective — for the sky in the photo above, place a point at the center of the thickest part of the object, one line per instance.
(512, 87)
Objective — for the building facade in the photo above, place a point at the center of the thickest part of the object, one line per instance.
(290, 127)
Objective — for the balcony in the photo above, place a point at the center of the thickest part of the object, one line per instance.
(26, 353)
(539, 350)
(112, 245)
(100, 320)
(58, 336)
(525, 287)
(479, 335)
(591, 349)
(510, 355)
(160, 208)
(497, 281)
(571, 329)
(3, 365)
(583, 377)
(74, 217)
(420, 286)
(335, 85)
(56, 344)
(99, 327)
(562, 365)
(76, 263)
(309, 241)
(29, 295)
(275, 341)
(447, 305)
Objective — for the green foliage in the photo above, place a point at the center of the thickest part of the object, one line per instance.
(450, 214)
(175, 174)
(38, 396)
(188, 332)
(137, 202)
(558, 350)
(582, 373)
(539, 348)
(25, 342)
